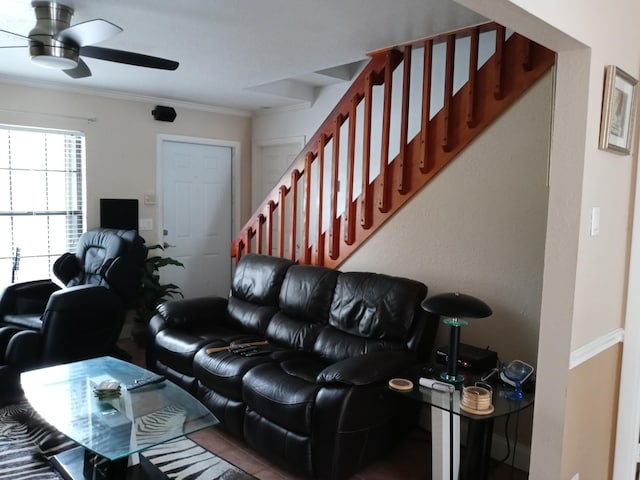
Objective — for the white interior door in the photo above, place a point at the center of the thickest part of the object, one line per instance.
(270, 162)
(196, 216)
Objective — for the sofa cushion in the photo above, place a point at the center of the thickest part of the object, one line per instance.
(307, 292)
(177, 347)
(305, 300)
(224, 371)
(334, 345)
(375, 306)
(247, 317)
(285, 392)
(258, 279)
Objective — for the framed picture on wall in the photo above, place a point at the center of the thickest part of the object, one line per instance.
(618, 111)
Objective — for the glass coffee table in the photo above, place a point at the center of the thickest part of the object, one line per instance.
(110, 432)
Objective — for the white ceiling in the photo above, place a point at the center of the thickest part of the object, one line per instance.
(232, 51)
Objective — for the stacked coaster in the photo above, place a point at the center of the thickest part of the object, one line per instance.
(107, 389)
(476, 400)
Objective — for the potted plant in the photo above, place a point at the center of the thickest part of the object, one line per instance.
(152, 292)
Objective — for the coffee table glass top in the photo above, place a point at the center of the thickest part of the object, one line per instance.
(118, 427)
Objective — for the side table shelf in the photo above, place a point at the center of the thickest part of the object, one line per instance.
(445, 430)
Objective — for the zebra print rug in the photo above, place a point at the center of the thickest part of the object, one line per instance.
(27, 442)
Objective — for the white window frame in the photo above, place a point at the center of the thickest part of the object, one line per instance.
(74, 210)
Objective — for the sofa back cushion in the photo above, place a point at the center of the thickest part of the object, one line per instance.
(370, 312)
(254, 291)
(305, 301)
(258, 279)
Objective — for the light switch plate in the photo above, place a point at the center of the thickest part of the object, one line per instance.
(150, 199)
(595, 221)
(145, 224)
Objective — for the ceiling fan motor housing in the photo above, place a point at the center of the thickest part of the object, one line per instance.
(44, 49)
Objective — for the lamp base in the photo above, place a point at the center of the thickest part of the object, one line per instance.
(444, 376)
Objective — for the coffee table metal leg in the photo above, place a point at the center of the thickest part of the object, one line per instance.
(79, 464)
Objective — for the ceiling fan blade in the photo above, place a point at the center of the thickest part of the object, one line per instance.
(81, 71)
(88, 33)
(130, 58)
(13, 37)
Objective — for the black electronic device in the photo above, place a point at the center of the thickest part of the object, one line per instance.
(164, 114)
(120, 213)
(471, 359)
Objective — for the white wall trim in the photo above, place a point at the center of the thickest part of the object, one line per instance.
(114, 95)
(595, 347)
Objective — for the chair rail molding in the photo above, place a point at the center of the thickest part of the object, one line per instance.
(595, 347)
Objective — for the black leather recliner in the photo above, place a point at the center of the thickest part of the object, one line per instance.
(107, 257)
(315, 399)
(79, 322)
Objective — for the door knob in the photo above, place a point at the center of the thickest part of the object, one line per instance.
(166, 245)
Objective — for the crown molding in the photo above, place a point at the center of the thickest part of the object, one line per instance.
(115, 95)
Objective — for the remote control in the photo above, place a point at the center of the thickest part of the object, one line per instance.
(143, 382)
(241, 349)
(257, 351)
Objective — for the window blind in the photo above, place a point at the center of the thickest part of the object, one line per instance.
(42, 213)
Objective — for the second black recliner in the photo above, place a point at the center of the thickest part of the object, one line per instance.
(104, 257)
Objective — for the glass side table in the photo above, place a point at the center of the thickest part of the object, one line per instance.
(445, 430)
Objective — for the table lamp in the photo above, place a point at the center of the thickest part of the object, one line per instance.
(455, 308)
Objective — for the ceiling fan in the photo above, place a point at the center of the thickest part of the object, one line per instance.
(55, 43)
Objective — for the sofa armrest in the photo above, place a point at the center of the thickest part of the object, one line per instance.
(367, 369)
(191, 311)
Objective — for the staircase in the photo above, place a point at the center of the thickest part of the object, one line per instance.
(405, 117)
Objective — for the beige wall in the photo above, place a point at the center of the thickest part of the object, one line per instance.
(585, 277)
(121, 142)
(479, 228)
(591, 400)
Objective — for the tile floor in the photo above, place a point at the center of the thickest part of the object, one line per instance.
(409, 461)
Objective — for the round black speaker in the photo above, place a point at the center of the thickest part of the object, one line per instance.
(164, 114)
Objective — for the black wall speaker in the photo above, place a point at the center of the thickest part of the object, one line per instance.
(164, 114)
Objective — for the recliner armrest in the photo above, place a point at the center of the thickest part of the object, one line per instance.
(191, 311)
(367, 369)
(26, 297)
(6, 334)
(24, 351)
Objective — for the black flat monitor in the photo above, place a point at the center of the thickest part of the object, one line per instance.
(120, 213)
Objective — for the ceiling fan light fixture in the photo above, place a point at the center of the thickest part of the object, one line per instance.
(51, 56)
(58, 63)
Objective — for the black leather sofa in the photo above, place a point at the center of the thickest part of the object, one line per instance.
(315, 399)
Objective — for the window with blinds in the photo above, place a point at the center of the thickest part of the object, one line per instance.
(41, 200)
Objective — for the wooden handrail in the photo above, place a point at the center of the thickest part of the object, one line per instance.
(515, 65)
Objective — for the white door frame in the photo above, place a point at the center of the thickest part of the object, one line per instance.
(235, 176)
(628, 423)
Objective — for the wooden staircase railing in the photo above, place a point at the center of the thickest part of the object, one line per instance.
(326, 205)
